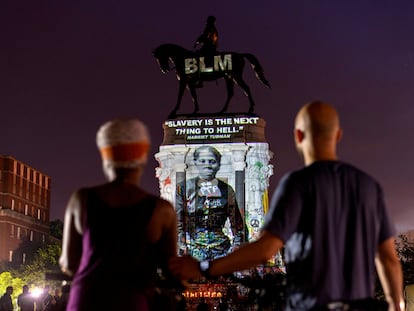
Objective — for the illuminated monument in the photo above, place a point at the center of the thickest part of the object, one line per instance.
(244, 161)
(214, 168)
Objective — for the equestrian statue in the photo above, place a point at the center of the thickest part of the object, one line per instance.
(207, 64)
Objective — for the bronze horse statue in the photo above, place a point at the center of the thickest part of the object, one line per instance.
(192, 68)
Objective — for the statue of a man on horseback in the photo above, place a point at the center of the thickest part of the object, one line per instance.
(207, 64)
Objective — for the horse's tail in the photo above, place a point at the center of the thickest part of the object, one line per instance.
(258, 69)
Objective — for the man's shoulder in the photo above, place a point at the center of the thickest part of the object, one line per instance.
(360, 173)
(337, 166)
(323, 168)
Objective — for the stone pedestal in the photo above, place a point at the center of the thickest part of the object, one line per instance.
(244, 164)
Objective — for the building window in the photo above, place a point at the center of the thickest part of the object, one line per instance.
(43, 238)
(26, 209)
(18, 233)
(34, 198)
(12, 230)
(10, 256)
(14, 183)
(31, 235)
(39, 214)
(12, 204)
(24, 258)
(21, 186)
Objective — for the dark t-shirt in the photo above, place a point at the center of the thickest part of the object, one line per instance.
(26, 302)
(331, 217)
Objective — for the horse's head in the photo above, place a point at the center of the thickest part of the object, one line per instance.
(162, 60)
(166, 53)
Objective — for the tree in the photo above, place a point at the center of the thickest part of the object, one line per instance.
(39, 257)
(7, 279)
(56, 229)
(45, 260)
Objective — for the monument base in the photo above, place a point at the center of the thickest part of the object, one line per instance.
(244, 163)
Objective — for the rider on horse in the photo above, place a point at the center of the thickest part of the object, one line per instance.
(209, 39)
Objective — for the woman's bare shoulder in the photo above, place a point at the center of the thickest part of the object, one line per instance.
(164, 205)
(164, 210)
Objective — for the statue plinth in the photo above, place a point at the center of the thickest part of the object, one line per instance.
(240, 139)
(231, 128)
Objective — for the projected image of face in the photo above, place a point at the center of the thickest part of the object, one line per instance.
(209, 220)
(207, 161)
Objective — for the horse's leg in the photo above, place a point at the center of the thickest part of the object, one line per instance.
(246, 90)
(230, 93)
(180, 96)
(192, 88)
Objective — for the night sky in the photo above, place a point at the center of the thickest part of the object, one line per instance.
(68, 66)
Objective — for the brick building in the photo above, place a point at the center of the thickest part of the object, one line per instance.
(24, 209)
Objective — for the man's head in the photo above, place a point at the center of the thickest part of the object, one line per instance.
(207, 160)
(317, 131)
(9, 290)
(123, 144)
(211, 20)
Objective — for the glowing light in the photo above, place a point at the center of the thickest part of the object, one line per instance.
(205, 294)
(36, 292)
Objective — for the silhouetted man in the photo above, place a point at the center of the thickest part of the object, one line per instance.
(25, 300)
(6, 303)
(332, 221)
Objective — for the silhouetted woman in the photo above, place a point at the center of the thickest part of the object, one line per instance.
(116, 234)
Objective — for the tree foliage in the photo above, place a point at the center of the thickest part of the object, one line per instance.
(56, 229)
(40, 258)
(45, 260)
(7, 279)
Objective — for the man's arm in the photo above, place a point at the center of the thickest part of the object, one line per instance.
(247, 256)
(390, 274)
